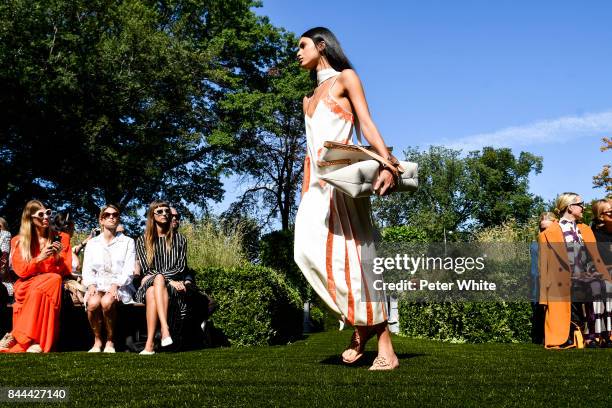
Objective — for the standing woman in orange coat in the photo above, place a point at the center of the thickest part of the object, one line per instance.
(568, 253)
(40, 259)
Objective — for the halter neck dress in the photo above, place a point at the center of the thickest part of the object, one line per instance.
(334, 233)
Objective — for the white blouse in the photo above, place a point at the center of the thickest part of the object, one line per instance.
(107, 264)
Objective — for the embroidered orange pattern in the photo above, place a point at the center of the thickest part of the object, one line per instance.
(336, 108)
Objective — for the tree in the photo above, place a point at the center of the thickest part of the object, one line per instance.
(604, 178)
(264, 123)
(118, 101)
(499, 186)
(457, 194)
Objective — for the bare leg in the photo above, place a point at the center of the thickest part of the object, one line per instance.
(161, 300)
(94, 315)
(386, 354)
(151, 318)
(109, 311)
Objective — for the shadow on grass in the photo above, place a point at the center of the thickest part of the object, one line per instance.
(367, 359)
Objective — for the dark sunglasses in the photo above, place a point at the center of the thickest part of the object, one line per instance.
(162, 211)
(178, 217)
(106, 215)
(41, 214)
(580, 204)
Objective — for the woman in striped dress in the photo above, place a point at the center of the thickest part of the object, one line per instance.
(334, 233)
(162, 254)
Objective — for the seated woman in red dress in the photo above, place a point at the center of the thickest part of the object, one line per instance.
(41, 257)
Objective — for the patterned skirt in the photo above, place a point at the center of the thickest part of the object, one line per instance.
(176, 304)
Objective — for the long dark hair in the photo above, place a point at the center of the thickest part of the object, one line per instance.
(333, 51)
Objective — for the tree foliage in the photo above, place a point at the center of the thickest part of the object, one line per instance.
(604, 178)
(119, 101)
(264, 128)
(459, 193)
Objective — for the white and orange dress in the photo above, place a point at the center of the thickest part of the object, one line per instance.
(334, 233)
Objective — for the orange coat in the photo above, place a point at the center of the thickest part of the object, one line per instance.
(555, 279)
(38, 295)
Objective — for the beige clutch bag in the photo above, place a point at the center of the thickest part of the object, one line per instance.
(357, 180)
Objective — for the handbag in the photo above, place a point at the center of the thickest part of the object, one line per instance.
(361, 168)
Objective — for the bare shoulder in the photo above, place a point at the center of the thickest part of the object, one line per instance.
(349, 77)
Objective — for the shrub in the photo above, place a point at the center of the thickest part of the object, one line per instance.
(404, 233)
(276, 251)
(255, 304)
(472, 322)
(209, 245)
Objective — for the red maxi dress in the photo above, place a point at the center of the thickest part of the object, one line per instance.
(38, 295)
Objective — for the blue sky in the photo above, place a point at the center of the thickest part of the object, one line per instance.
(530, 75)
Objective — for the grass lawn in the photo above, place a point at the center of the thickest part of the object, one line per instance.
(309, 373)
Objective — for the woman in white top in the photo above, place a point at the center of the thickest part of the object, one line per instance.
(108, 268)
(334, 232)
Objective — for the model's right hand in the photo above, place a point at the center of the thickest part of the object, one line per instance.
(384, 183)
(48, 251)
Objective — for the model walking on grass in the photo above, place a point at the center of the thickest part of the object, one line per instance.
(334, 232)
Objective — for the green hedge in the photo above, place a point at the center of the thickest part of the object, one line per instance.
(276, 251)
(471, 322)
(255, 304)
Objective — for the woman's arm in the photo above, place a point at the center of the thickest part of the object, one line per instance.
(351, 88)
(25, 269)
(180, 261)
(64, 260)
(128, 265)
(87, 270)
(141, 254)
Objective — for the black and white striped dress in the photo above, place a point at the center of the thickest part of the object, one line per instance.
(172, 265)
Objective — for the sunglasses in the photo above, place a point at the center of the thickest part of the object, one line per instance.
(580, 204)
(178, 217)
(162, 211)
(106, 215)
(41, 214)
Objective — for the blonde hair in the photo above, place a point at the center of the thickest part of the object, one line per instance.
(27, 230)
(150, 234)
(597, 208)
(3, 224)
(563, 201)
(547, 216)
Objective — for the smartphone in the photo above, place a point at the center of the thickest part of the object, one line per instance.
(57, 238)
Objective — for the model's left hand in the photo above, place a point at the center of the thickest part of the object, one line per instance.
(384, 183)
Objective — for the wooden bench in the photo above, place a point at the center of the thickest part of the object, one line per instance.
(130, 328)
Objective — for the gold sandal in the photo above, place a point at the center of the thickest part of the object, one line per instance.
(381, 363)
(356, 346)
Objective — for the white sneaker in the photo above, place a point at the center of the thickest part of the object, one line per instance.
(34, 348)
(109, 349)
(146, 352)
(166, 341)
